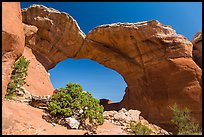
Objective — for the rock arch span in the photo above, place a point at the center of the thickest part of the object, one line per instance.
(155, 62)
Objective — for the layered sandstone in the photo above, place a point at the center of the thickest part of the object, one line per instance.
(12, 39)
(38, 79)
(155, 62)
(58, 36)
(51, 36)
(197, 48)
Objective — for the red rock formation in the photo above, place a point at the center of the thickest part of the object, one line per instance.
(12, 39)
(38, 79)
(53, 36)
(197, 49)
(58, 37)
(155, 62)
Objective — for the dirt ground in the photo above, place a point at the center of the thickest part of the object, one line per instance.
(22, 119)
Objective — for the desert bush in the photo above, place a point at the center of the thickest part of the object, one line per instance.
(72, 101)
(140, 129)
(183, 121)
(18, 77)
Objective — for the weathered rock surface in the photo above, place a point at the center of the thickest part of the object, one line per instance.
(12, 39)
(37, 81)
(37, 72)
(155, 62)
(58, 36)
(197, 48)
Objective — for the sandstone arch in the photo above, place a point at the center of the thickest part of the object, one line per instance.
(155, 62)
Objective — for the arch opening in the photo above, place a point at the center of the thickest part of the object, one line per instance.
(102, 82)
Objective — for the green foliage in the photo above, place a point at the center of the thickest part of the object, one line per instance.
(140, 129)
(183, 122)
(73, 101)
(18, 77)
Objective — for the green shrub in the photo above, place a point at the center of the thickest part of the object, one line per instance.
(18, 77)
(183, 122)
(73, 101)
(140, 129)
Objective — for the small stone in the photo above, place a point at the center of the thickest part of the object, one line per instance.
(122, 110)
(81, 111)
(72, 122)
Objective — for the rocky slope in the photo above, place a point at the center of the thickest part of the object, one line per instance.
(29, 121)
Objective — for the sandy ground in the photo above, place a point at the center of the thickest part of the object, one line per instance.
(22, 119)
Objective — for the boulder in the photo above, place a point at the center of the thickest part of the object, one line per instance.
(122, 117)
(127, 116)
(13, 39)
(72, 122)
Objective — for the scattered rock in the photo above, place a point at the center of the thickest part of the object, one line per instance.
(23, 96)
(72, 122)
(109, 114)
(124, 117)
(40, 101)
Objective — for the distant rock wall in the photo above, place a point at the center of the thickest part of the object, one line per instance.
(12, 39)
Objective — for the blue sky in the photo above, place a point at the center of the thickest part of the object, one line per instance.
(102, 82)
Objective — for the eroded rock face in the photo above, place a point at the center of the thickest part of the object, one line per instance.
(197, 48)
(58, 36)
(155, 62)
(12, 39)
(37, 81)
